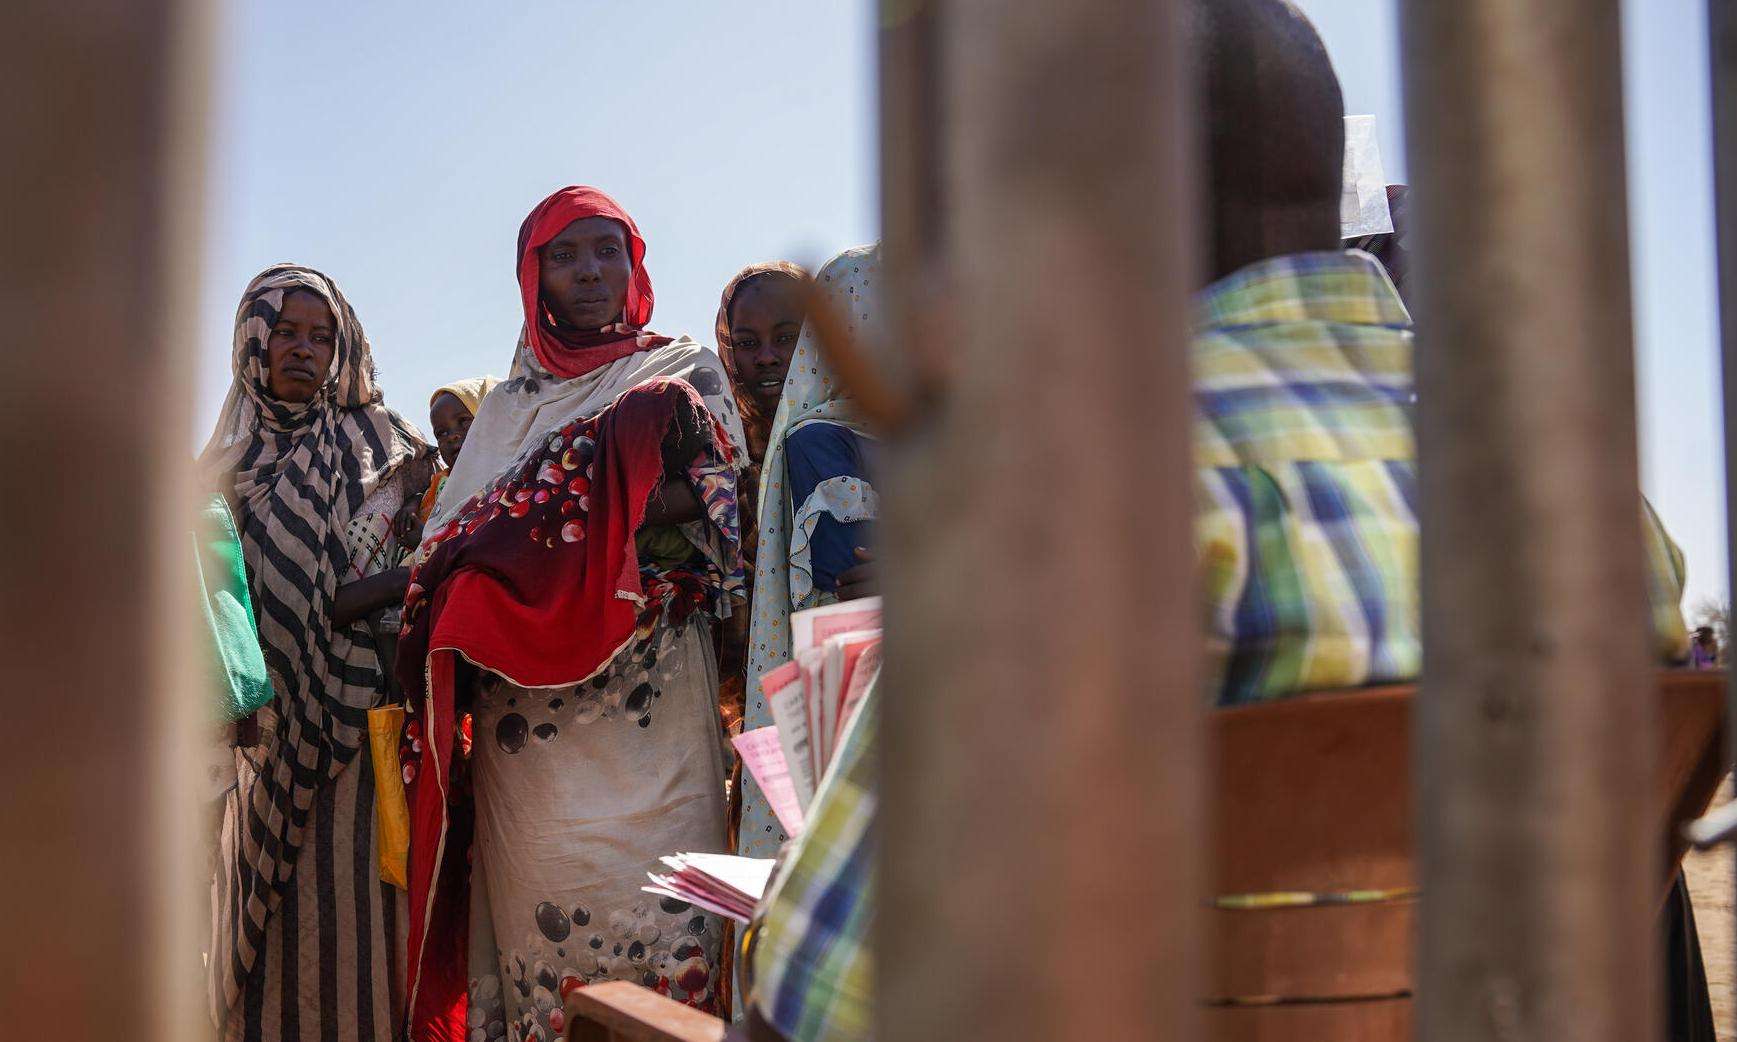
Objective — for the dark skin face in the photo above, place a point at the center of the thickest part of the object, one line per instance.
(451, 422)
(298, 351)
(584, 273)
(765, 323)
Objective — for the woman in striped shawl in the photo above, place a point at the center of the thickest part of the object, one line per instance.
(307, 942)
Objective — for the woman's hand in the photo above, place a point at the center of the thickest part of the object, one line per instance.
(357, 600)
(674, 503)
(861, 579)
(407, 525)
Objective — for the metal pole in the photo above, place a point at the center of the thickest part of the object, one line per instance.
(1538, 861)
(102, 110)
(1722, 47)
(1041, 817)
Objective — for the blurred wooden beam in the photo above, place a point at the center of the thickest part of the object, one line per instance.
(1535, 730)
(1041, 823)
(101, 111)
(1722, 49)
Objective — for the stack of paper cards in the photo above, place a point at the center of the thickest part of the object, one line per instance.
(836, 656)
(719, 883)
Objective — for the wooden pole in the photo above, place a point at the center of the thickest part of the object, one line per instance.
(101, 111)
(1041, 818)
(1722, 47)
(1538, 859)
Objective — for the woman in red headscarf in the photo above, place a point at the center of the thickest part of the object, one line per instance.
(577, 560)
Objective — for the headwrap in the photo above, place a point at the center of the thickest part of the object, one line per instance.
(470, 392)
(561, 349)
(755, 426)
(560, 375)
(295, 473)
(528, 568)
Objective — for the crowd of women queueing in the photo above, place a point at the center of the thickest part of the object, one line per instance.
(500, 668)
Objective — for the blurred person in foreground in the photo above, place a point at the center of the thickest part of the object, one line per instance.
(1323, 456)
(1306, 479)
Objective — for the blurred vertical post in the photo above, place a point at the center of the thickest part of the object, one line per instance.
(1041, 824)
(1539, 863)
(102, 110)
(1722, 49)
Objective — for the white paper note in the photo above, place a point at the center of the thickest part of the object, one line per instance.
(1363, 206)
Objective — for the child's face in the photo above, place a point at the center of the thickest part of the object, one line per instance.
(765, 322)
(451, 422)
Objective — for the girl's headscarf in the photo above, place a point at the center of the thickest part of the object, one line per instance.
(562, 350)
(470, 392)
(296, 473)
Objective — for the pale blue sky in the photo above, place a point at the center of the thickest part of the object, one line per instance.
(396, 146)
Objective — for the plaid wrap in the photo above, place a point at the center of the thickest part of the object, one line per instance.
(1307, 483)
(813, 969)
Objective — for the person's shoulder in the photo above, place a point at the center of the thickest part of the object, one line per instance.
(682, 353)
(687, 359)
(821, 443)
(685, 348)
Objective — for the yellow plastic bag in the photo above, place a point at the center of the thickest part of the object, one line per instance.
(391, 809)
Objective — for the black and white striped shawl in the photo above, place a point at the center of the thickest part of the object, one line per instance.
(295, 474)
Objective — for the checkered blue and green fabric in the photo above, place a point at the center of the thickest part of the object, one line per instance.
(1306, 482)
(813, 975)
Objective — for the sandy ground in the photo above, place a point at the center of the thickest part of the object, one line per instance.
(1710, 885)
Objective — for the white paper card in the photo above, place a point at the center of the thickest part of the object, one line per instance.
(1363, 206)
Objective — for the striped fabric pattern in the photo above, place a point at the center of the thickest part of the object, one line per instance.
(296, 474)
(813, 974)
(1306, 482)
(331, 965)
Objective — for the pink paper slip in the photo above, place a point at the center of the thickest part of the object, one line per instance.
(782, 688)
(811, 628)
(863, 672)
(763, 756)
(842, 654)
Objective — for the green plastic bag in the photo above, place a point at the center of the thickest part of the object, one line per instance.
(236, 667)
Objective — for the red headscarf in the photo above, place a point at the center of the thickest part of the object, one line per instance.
(562, 350)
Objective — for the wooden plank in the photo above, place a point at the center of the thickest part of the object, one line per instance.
(101, 112)
(1314, 793)
(1694, 758)
(1041, 776)
(1380, 1020)
(1329, 952)
(621, 1011)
